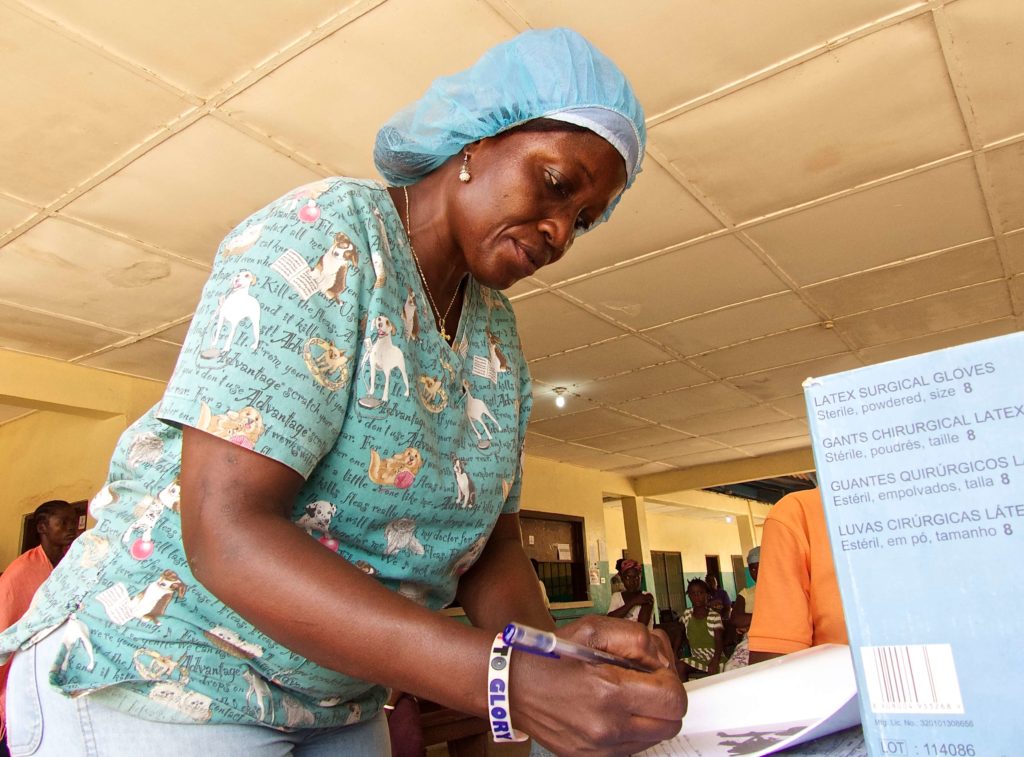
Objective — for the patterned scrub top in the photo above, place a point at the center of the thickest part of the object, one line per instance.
(313, 344)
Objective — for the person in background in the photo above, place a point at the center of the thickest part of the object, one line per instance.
(798, 602)
(310, 492)
(56, 523)
(742, 613)
(718, 598)
(705, 633)
(631, 603)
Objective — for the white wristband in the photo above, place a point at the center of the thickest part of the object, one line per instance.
(497, 693)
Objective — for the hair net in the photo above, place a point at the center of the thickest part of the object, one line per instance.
(537, 74)
(754, 556)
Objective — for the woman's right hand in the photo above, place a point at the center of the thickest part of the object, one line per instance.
(574, 707)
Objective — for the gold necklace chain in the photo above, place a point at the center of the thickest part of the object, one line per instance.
(437, 313)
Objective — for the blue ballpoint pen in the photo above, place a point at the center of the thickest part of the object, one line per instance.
(545, 643)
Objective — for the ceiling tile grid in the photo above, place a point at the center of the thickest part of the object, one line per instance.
(822, 126)
(827, 186)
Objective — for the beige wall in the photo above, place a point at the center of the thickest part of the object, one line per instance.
(569, 490)
(62, 449)
(694, 537)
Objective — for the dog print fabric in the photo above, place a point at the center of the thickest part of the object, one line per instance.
(306, 347)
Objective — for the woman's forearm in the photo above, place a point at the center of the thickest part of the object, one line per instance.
(501, 586)
(315, 603)
(244, 549)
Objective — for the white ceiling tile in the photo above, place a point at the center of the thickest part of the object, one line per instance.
(544, 406)
(596, 459)
(674, 408)
(150, 358)
(788, 380)
(708, 275)
(738, 323)
(537, 443)
(744, 437)
(988, 46)
(225, 40)
(175, 334)
(13, 213)
(586, 423)
(757, 449)
(833, 122)
(49, 336)
(566, 452)
(330, 101)
(1015, 252)
(623, 441)
(711, 423)
(606, 359)
(554, 325)
(68, 112)
(641, 470)
(985, 302)
(705, 458)
(932, 210)
(523, 287)
(971, 264)
(795, 405)
(681, 446)
(188, 193)
(655, 213)
(643, 383)
(772, 351)
(676, 50)
(1006, 176)
(929, 342)
(69, 270)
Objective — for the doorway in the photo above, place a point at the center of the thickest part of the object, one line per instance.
(669, 584)
(739, 573)
(714, 567)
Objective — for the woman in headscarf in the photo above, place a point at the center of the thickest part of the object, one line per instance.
(337, 457)
(631, 603)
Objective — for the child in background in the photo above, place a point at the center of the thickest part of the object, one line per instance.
(705, 633)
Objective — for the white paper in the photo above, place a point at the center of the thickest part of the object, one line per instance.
(766, 707)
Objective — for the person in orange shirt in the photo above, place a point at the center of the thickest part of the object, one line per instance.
(798, 603)
(56, 523)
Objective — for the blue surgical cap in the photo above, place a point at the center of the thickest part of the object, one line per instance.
(550, 73)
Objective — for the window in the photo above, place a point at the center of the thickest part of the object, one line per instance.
(556, 543)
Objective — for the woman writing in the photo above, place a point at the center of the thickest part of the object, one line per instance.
(337, 456)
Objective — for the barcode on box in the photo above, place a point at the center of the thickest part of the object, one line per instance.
(915, 678)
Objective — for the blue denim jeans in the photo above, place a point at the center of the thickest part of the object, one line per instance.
(42, 722)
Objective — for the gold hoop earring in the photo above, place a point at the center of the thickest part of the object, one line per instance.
(464, 175)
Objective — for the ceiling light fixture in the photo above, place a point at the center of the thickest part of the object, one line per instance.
(560, 396)
(728, 519)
